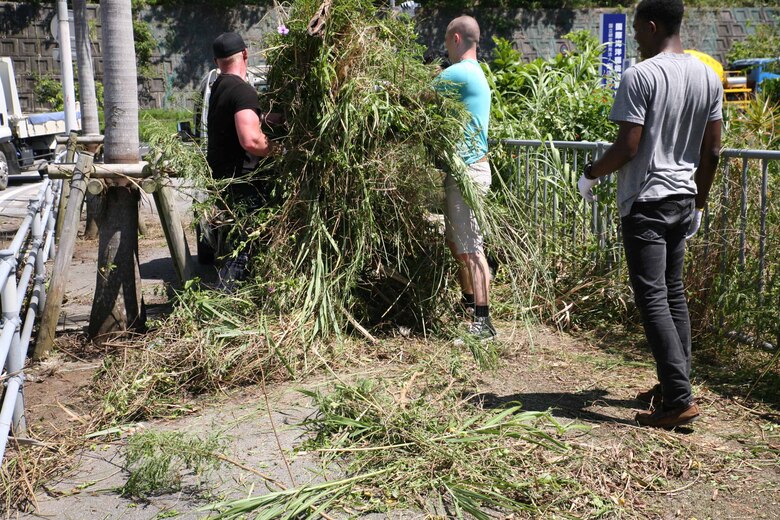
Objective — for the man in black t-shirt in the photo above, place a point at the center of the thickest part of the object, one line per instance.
(235, 139)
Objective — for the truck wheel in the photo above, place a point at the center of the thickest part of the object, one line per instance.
(3, 171)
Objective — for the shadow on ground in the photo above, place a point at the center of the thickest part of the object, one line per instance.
(727, 367)
(569, 405)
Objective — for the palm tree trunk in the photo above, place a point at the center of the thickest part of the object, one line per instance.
(90, 124)
(118, 305)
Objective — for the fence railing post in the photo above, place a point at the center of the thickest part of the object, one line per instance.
(12, 411)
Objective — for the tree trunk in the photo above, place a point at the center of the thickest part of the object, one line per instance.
(118, 305)
(90, 124)
(94, 205)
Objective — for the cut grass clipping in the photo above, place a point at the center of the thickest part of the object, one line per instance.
(434, 453)
(347, 236)
(156, 460)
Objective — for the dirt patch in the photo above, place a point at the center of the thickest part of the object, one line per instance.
(726, 465)
(733, 449)
(55, 395)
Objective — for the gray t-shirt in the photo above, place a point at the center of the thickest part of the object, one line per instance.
(672, 96)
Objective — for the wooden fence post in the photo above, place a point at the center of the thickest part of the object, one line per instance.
(65, 191)
(59, 275)
(174, 232)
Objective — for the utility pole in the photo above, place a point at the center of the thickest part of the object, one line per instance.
(66, 66)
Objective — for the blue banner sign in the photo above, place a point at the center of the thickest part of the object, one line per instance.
(613, 36)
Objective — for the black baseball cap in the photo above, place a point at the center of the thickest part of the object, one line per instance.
(227, 44)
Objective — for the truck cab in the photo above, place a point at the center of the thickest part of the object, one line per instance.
(27, 141)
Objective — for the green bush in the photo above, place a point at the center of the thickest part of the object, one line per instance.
(562, 98)
(771, 89)
(48, 91)
(763, 43)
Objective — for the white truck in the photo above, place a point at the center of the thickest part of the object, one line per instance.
(27, 141)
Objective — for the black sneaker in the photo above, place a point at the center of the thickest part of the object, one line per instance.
(482, 328)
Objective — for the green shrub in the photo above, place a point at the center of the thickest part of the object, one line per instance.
(763, 43)
(562, 98)
(771, 89)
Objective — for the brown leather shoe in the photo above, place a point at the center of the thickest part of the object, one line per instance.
(669, 418)
(654, 397)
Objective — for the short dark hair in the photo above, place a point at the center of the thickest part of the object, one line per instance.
(668, 13)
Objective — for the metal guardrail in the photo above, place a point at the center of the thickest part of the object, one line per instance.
(734, 228)
(21, 263)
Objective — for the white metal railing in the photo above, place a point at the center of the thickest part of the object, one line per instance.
(735, 243)
(21, 263)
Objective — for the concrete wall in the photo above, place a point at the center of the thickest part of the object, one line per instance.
(538, 33)
(184, 37)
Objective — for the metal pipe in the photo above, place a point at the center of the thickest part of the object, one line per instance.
(33, 209)
(743, 214)
(6, 338)
(21, 236)
(762, 230)
(7, 412)
(66, 66)
(751, 154)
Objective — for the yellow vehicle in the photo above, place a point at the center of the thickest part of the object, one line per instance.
(735, 87)
(735, 83)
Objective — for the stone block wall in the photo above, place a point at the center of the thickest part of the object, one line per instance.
(539, 33)
(184, 36)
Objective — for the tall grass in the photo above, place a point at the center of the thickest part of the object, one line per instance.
(733, 292)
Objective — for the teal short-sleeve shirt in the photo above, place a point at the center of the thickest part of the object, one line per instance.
(468, 80)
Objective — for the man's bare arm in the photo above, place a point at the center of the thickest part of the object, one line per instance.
(251, 138)
(708, 164)
(622, 150)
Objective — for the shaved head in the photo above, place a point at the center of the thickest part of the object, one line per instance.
(468, 29)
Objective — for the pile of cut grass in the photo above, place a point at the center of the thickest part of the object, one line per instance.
(423, 444)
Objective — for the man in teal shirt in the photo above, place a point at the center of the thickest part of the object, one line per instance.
(464, 237)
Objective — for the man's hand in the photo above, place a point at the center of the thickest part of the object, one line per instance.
(585, 186)
(695, 224)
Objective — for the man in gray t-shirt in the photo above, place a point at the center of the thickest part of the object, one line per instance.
(668, 110)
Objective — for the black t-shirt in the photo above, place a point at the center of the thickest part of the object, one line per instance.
(229, 95)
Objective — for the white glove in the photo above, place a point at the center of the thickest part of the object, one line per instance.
(695, 225)
(585, 186)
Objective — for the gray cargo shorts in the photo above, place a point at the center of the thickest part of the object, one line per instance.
(461, 226)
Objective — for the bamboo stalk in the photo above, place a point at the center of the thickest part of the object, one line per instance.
(82, 139)
(360, 328)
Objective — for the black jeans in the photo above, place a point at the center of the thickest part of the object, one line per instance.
(654, 240)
